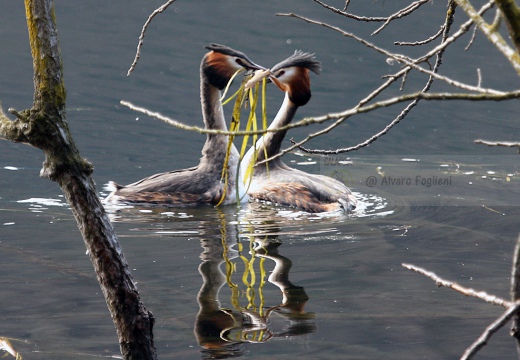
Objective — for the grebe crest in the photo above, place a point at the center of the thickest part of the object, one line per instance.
(276, 182)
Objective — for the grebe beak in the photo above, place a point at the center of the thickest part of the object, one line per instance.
(277, 82)
(249, 65)
(258, 76)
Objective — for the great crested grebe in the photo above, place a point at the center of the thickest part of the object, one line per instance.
(276, 182)
(200, 184)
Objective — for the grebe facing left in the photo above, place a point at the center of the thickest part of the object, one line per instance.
(200, 184)
(276, 182)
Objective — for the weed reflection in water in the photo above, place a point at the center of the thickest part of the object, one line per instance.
(220, 331)
(241, 259)
(7, 349)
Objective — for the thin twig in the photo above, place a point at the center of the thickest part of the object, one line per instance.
(401, 13)
(200, 130)
(347, 2)
(386, 19)
(497, 21)
(17, 114)
(422, 42)
(482, 295)
(472, 39)
(351, 16)
(446, 28)
(464, 28)
(398, 57)
(391, 79)
(343, 116)
(498, 143)
(364, 143)
(141, 36)
(479, 77)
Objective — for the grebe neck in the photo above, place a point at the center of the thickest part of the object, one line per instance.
(213, 117)
(271, 142)
(212, 112)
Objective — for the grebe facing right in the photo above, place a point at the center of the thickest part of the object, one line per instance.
(276, 182)
(200, 184)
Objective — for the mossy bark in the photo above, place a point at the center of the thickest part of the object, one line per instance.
(44, 127)
(511, 13)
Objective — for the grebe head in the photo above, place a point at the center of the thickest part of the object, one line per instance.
(292, 76)
(222, 62)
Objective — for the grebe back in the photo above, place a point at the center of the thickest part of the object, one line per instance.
(276, 182)
(200, 184)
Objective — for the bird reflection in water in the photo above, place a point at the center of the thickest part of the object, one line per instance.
(219, 330)
(5, 346)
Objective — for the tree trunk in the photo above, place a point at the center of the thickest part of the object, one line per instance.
(515, 293)
(44, 127)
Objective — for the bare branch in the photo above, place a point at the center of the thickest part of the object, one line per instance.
(410, 64)
(200, 130)
(515, 291)
(515, 278)
(401, 13)
(511, 12)
(347, 2)
(141, 37)
(482, 295)
(351, 16)
(490, 330)
(498, 143)
(359, 110)
(386, 19)
(472, 39)
(492, 34)
(497, 21)
(462, 30)
(339, 116)
(398, 57)
(513, 307)
(446, 28)
(17, 114)
(364, 143)
(13, 130)
(479, 78)
(422, 42)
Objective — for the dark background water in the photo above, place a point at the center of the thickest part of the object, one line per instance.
(364, 304)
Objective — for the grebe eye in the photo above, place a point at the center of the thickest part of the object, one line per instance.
(280, 73)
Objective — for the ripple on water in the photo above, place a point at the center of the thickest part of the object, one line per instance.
(41, 204)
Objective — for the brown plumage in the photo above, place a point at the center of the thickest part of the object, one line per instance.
(275, 181)
(200, 184)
